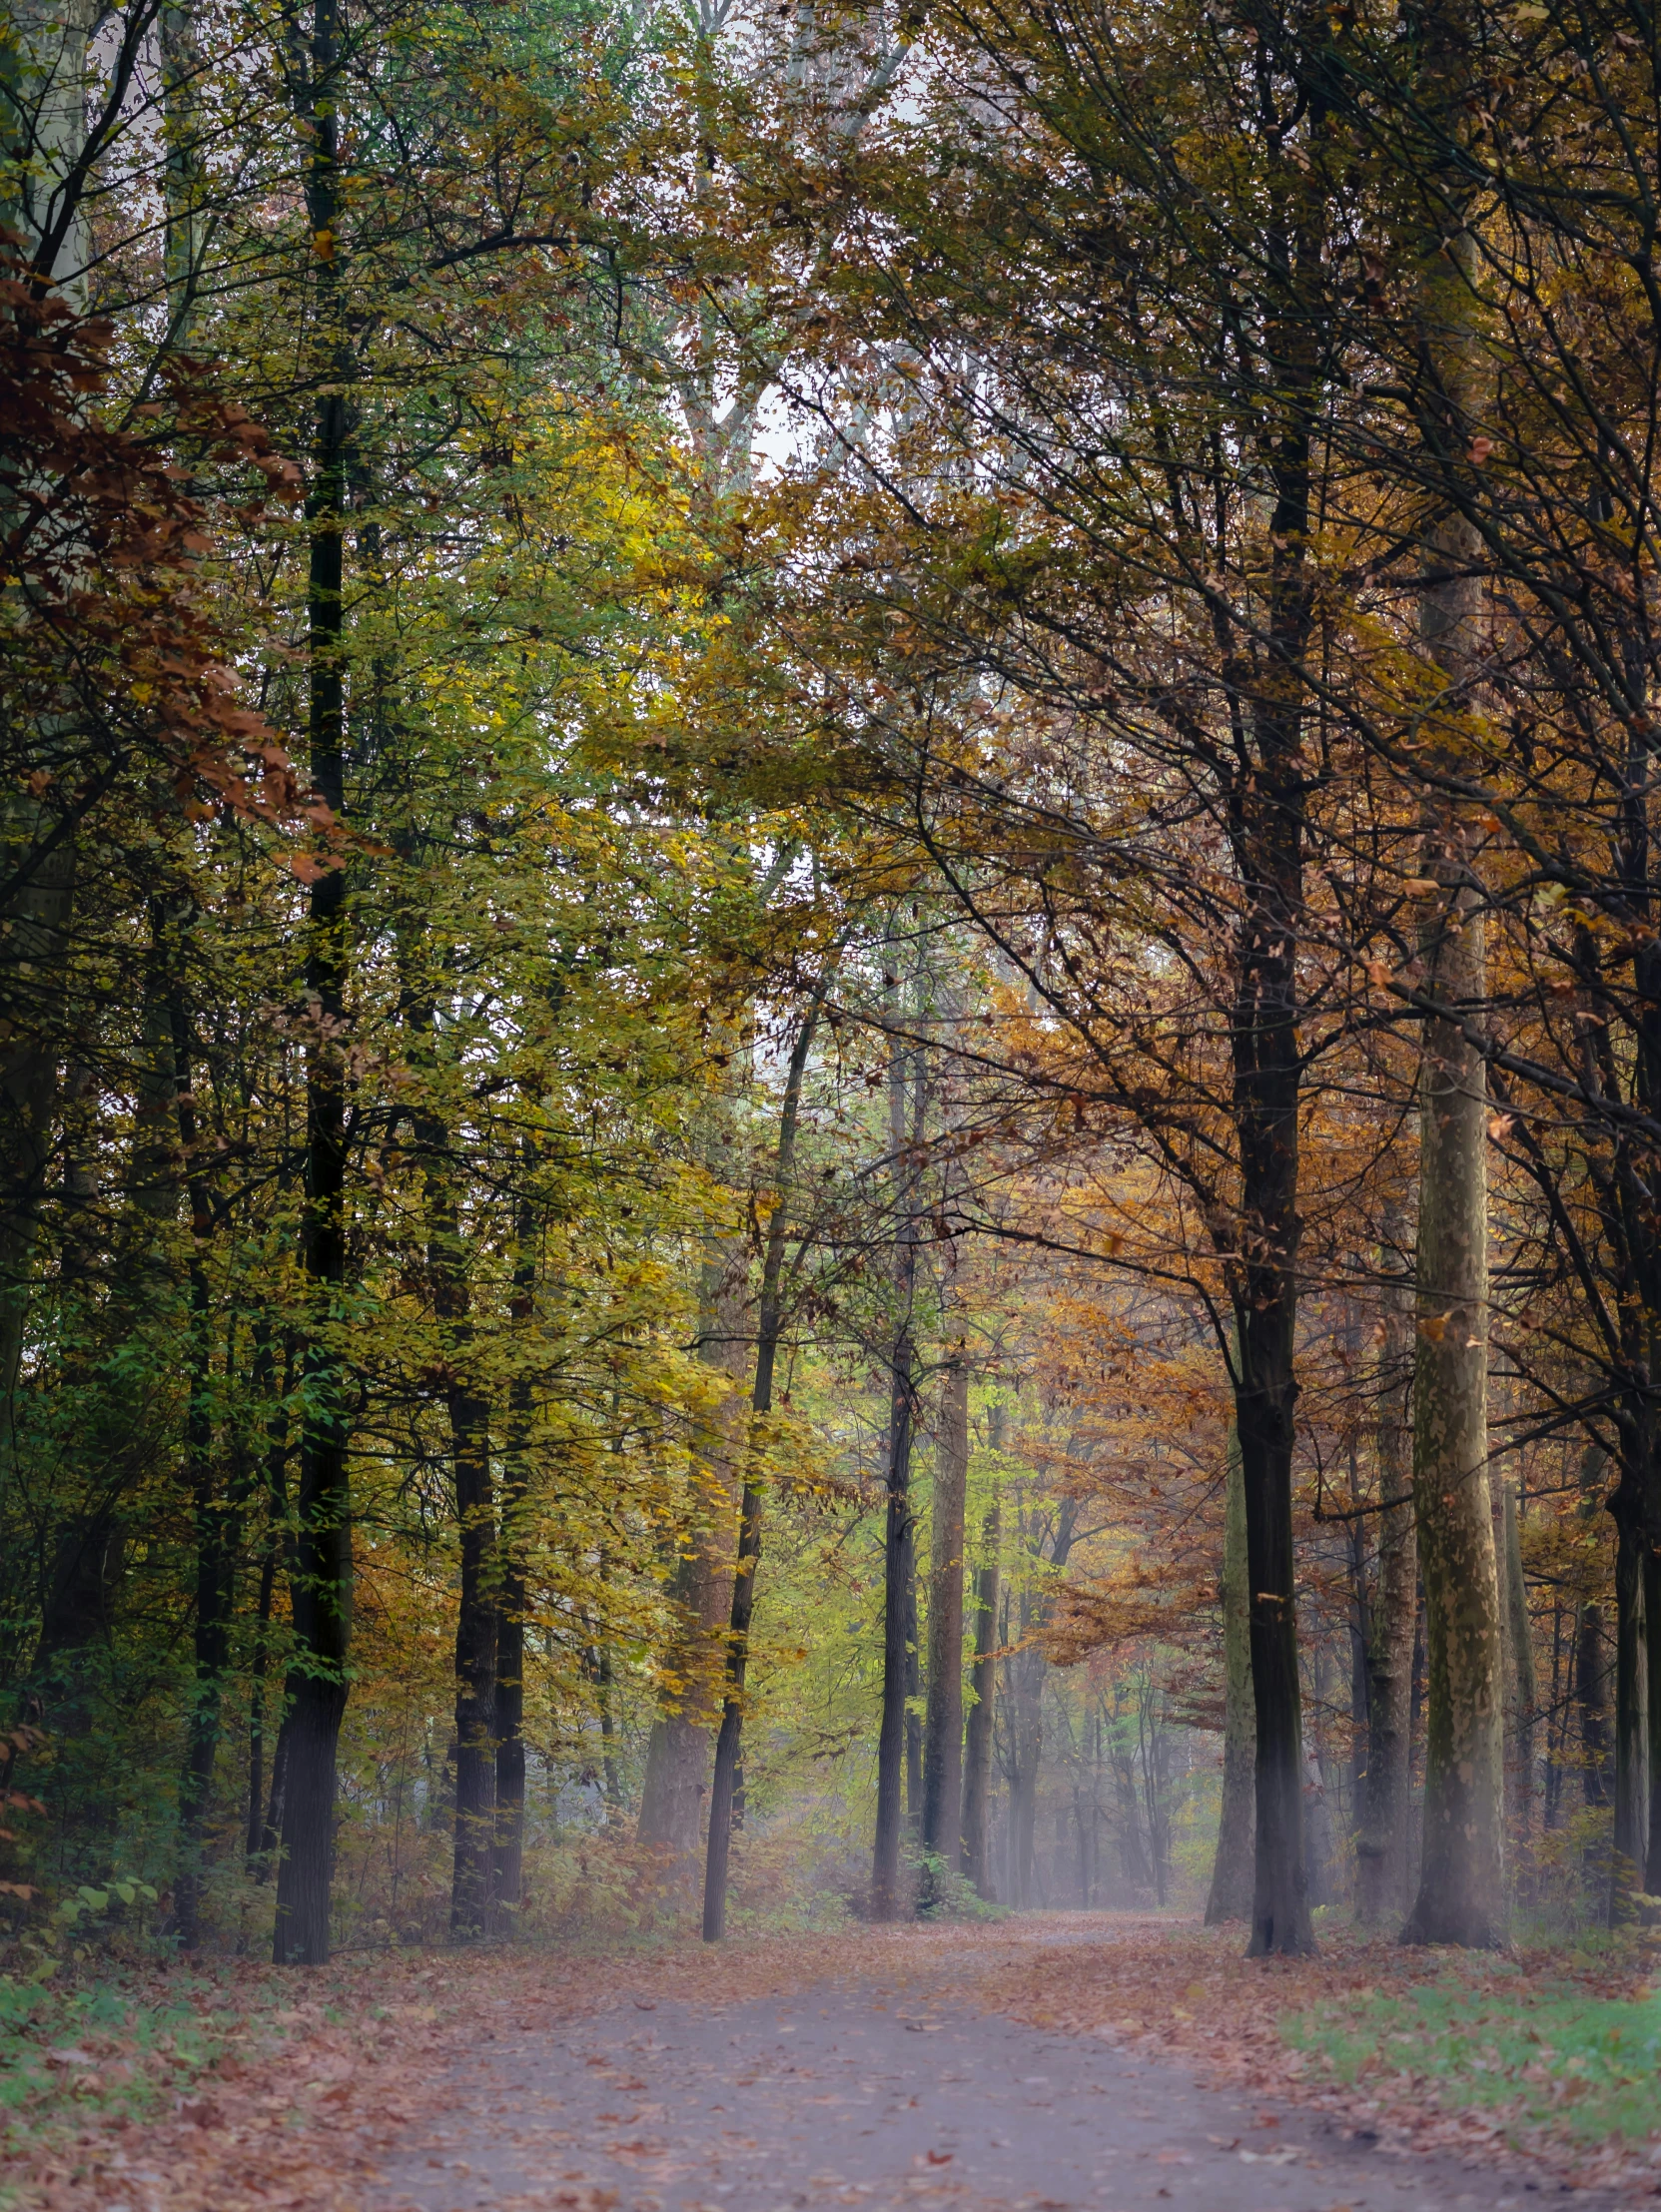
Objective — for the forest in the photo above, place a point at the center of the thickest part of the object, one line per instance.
(830, 969)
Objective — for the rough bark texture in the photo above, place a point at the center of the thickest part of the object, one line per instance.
(1461, 1882)
(975, 1848)
(943, 1732)
(1381, 1843)
(1232, 1870)
(1266, 819)
(1461, 1894)
(320, 1595)
(905, 1100)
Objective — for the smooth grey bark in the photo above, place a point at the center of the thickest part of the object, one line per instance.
(1232, 1870)
(943, 1724)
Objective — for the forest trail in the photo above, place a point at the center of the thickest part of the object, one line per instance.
(881, 2090)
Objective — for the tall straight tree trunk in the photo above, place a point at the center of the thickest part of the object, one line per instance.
(899, 1561)
(1026, 1718)
(677, 1754)
(1461, 1882)
(974, 1848)
(475, 1664)
(271, 1553)
(1461, 1895)
(215, 1519)
(1524, 1701)
(423, 966)
(1232, 1870)
(943, 1732)
(1591, 1704)
(1652, 1663)
(506, 1886)
(1268, 837)
(729, 1742)
(914, 1689)
(1386, 1796)
(507, 1855)
(1631, 1837)
(321, 1597)
(476, 1615)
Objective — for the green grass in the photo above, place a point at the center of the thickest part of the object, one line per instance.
(1544, 2046)
(102, 2049)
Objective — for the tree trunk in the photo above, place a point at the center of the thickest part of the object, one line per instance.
(974, 1849)
(898, 1550)
(1652, 1663)
(215, 1521)
(36, 952)
(885, 1857)
(1266, 1083)
(322, 1585)
(475, 1664)
(1631, 1837)
(1232, 1870)
(1522, 1705)
(914, 1690)
(477, 1617)
(729, 1742)
(677, 1754)
(942, 1747)
(264, 1823)
(1280, 1920)
(508, 1853)
(1591, 1704)
(1461, 1882)
(1461, 1895)
(1026, 1750)
(1387, 1797)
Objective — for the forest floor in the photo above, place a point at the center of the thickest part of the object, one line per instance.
(1104, 2061)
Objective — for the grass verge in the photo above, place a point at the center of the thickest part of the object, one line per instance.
(1528, 2043)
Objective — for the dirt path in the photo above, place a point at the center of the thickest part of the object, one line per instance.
(872, 2092)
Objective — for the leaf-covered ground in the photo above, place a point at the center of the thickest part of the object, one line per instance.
(1547, 2055)
(244, 2088)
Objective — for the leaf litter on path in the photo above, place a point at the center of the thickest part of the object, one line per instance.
(306, 2083)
